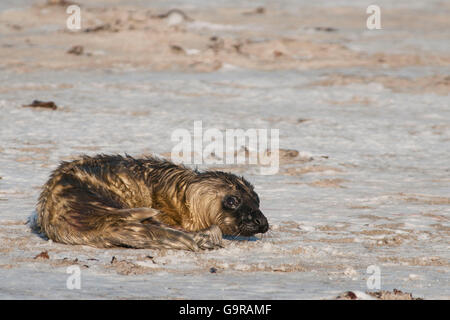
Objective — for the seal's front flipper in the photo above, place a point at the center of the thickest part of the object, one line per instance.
(143, 236)
(210, 238)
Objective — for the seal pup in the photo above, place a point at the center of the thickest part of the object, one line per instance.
(115, 201)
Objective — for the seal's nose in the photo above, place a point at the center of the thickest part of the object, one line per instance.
(262, 223)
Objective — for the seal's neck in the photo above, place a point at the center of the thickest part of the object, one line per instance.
(203, 205)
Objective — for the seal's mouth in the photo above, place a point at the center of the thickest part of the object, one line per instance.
(247, 232)
(258, 224)
(245, 224)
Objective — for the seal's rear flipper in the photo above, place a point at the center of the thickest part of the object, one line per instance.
(139, 214)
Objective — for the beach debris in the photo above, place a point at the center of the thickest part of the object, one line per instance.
(62, 3)
(376, 295)
(393, 295)
(101, 27)
(238, 47)
(151, 259)
(258, 10)
(68, 261)
(288, 153)
(15, 26)
(43, 255)
(41, 104)
(76, 50)
(177, 49)
(213, 270)
(180, 50)
(325, 29)
(277, 53)
(354, 295)
(216, 43)
(174, 17)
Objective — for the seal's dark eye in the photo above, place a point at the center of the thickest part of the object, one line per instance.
(231, 202)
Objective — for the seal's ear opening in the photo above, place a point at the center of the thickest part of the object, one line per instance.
(231, 202)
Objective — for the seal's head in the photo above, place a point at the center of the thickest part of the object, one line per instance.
(232, 203)
(242, 210)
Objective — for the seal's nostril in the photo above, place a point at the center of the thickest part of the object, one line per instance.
(263, 225)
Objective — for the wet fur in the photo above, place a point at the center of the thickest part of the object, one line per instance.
(109, 201)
